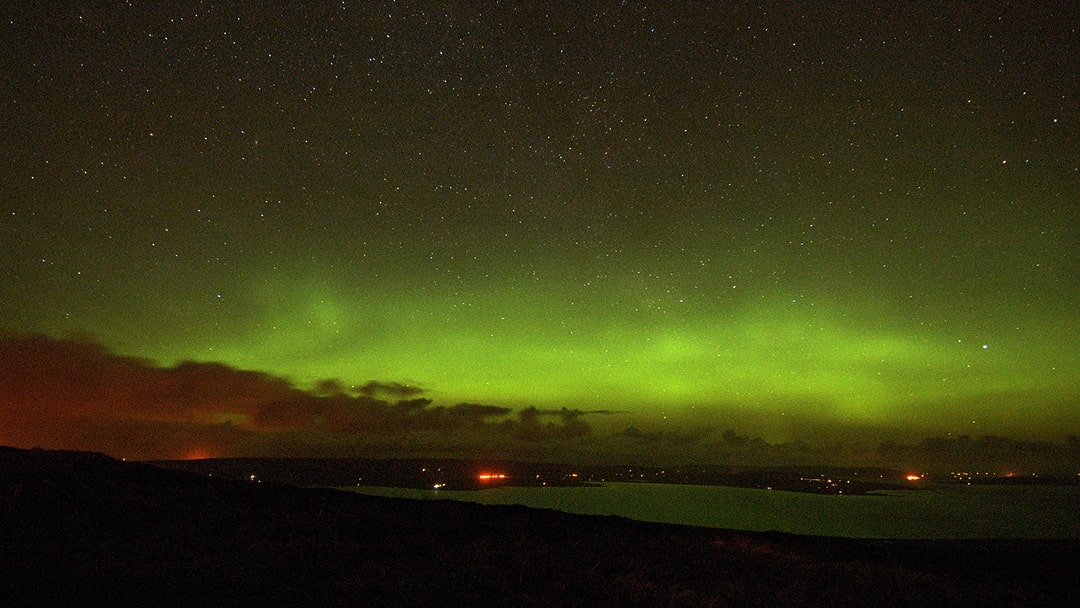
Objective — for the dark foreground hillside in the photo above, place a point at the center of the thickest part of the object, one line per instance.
(81, 528)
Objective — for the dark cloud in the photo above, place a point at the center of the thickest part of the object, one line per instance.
(988, 453)
(636, 435)
(476, 410)
(391, 390)
(74, 393)
(707, 445)
(293, 414)
(532, 427)
(329, 386)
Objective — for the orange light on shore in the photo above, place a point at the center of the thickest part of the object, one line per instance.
(490, 476)
(913, 477)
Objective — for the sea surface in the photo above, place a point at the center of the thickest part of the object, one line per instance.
(939, 511)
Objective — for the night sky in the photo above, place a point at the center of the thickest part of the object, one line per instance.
(704, 231)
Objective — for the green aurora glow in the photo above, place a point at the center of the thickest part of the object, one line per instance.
(776, 220)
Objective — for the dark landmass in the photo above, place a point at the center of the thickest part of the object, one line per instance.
(463, 474)
(991, 479)
(80, 528)
(454, 474)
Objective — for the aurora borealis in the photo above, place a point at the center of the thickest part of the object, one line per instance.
(633, 226)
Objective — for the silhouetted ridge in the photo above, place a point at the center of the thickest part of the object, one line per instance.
(80, 528)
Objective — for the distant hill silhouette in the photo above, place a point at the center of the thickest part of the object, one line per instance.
(80, 528)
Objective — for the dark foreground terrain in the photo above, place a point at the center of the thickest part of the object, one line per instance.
(84, 529)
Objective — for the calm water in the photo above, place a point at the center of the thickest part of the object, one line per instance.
(937, 512)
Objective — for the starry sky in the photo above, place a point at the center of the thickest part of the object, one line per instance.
(596, 230)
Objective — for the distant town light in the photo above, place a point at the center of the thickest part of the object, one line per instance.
(491, 476)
